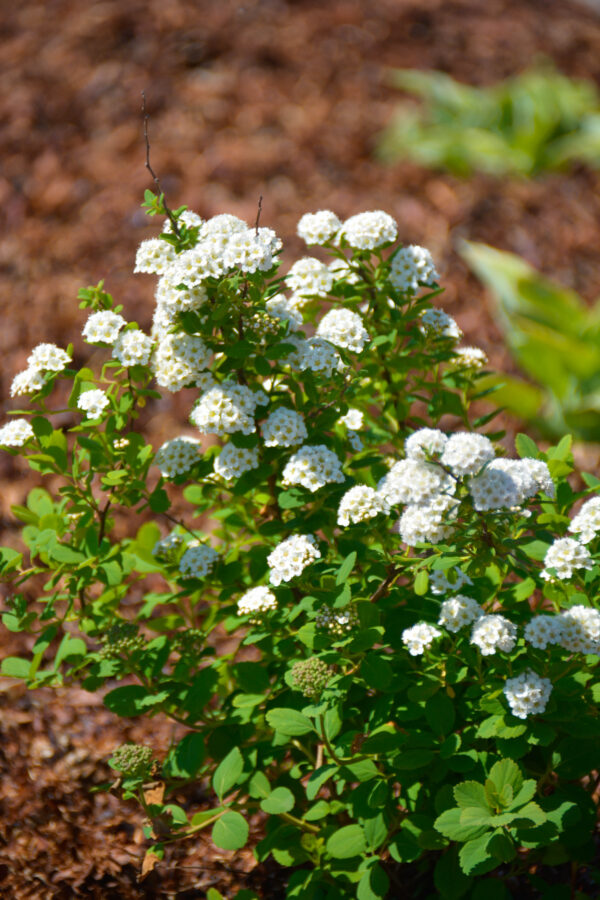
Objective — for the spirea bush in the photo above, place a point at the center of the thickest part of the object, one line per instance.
(377, 627)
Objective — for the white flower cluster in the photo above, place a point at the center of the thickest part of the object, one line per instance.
(172, 298)
(168, 547)
(466, 452)
(133, 348)
(29, 381)
(543, 630)
(353, 420)
(286, 309)
(177, 456)
(442, 583)
(459, 611)
(342, 270)
(227, 408)
(469, 358)
(291, 557)
(415, 481)
(586, 524)
(369, 230)
(256, 602)
(527, 694)
(319, 227)
(580, 629)
(92, 403)
(154, 256)
(338, 622)
(428, 522)
(412, 267)
(48, 358)
(565, 555)
(492, 633)
(313, 466)
(252, 250)
(504, 483)
(420, 637)
(198, 561)
(103, 327)
(315, 354)
(284, 427)
(436, 323)
(15, 433)
(343, 328)
(179, 360)
(309, 277)
(233, 461)
(425, 443)
(360, 504)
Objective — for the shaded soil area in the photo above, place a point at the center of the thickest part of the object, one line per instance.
(266, 97)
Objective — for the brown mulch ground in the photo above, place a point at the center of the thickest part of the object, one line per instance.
(283, 99)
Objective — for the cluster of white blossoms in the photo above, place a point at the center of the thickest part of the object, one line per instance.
(168, 547)
(564, 556)
(341, 269)
(103, 327)
(313, 466)
(459, 611)
(177, 456)
(369, 230)
(504, 483)
(227, 408)
(412, 267)
(425, 443)
(48, 358)
(93, 403)
(29, 381)
(337, 622)
(283, 427)
(233, 461)
(444, 582)
(438, 324)
(466, 453)
(287, 309)
(133, 348)
(291, 557)
(343, 328)
(416, 482)
(420, 637)
(319, 227)
(309, 277)
(354, 419)
(179, 360)
(543, 630)
(586, 524)
(580, 629)
(173, 298)
(315, 354)
(469, 358)
(527, 694)
(428, 522)
(198, 561)
(256, 602)
(154, 256)
(360, 504)
(15, 433)
(492, 633)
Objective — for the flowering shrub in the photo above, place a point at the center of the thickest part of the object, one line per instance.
(410, 694)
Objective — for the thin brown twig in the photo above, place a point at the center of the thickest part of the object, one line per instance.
(168, 211)
(258, 212)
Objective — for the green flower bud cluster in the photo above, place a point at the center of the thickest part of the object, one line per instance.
(262, 324)
(122, 639)
(337, 622)
(311, 676)
(133, 760)
(187, 643)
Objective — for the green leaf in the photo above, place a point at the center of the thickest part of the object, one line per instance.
(421, 583)
(374, 884)
(532, 813)
(347, 842)
(449, 824)
(258, 786)
(15, 667)
(281, 800)
(525, 447)
(439, 712)
(475, 858)
(471, 793)
(227, 772)
(506, 772)
(230, 832)
(289, 721)
(448, 877)
(346, 568)
(159, 500)
(127, 700)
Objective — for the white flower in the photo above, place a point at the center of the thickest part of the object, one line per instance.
(435, 323)
(291, 557)
(286, 309)
(459, 611)
(495, 487)
(543, 630)
(491, 633)
(343, 328)
(353, 420)
(540, 473)
(586, 524)
(179, 360)
(527, 694)
(414, 481)
(15, 433)
(133, 348)
(93, 403)
(227, 408)
(29, 381)
(424, 443)
(177, 299)
(233, 461)
(313, 466)
(188, 217)
(411, 267)
(177, 456)
(48, 358)
(319, 227)
(223, 225)
(580, 629)
(428, 523)
(103, 327)
(250, 252)
(309, 278)
(369, 230)
(469, 358)
(284, 428)
(360, 504)
(565, 555)
(419, 638)
(466, 453)
(256, 602)
(441, 582)
(154, 256)
(315, 354)
(198, 561)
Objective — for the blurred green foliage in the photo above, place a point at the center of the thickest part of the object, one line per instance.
(535, 122)
(554, 337)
